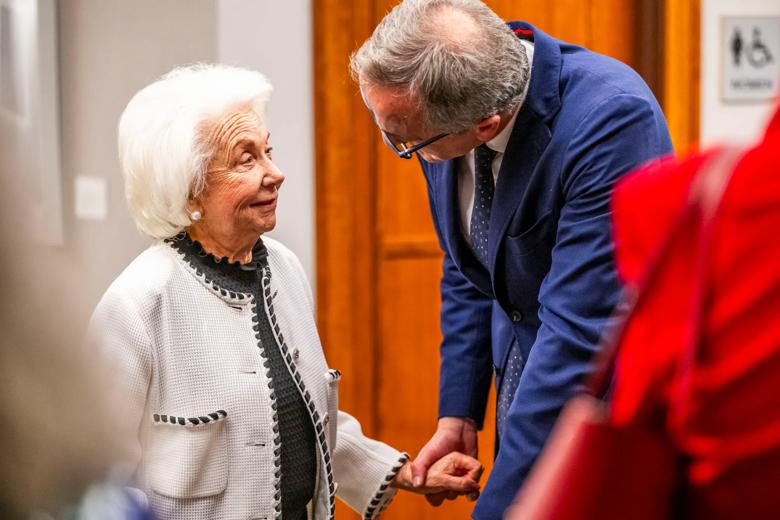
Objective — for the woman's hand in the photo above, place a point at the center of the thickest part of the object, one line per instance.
(452, 434)
(455, 473)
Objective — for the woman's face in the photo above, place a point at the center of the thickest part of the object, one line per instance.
(242, 181)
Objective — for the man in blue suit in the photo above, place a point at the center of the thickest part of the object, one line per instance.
(521, 138)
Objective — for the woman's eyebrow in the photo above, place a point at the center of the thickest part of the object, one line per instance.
(248, 140)
(245, 143)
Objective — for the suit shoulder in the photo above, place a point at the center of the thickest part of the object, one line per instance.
(593, 79)
(580, 64)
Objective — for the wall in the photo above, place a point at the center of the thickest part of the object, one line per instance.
(274, 37)
(109, 49)
(721, 122)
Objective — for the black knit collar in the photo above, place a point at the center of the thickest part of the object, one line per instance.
(201, 260)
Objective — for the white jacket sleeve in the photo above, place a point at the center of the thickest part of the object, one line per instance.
(118, 337)
(364, 468)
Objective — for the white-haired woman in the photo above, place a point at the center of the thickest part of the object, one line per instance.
(213, 326)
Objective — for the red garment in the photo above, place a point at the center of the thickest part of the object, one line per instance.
(732, 431)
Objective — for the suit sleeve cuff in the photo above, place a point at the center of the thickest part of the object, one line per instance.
(477, 416)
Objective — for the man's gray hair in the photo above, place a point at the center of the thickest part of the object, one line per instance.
(459, 75)
(163, 148)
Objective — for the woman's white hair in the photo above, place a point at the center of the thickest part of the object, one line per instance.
(163, 149)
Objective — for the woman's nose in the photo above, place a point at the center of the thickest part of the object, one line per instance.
(273, 177)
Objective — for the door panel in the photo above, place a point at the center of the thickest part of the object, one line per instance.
(408, 359)
(378, 259)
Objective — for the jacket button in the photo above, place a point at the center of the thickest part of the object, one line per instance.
(516, 316)
(326, 419)
(296, 354)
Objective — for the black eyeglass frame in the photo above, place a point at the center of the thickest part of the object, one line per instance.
(404, 152)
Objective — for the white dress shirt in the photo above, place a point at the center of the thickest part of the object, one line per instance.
(466, 163)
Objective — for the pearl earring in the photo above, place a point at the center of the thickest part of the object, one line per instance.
(195, 215)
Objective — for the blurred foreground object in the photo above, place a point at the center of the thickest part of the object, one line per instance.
(59, 436)
(699, 360)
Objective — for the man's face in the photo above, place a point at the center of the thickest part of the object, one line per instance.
(396, 112)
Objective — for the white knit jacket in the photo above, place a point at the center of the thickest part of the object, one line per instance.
(189, 364)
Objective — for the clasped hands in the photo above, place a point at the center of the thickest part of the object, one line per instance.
(446, 466)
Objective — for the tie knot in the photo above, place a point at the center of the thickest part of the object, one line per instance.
(484, 153)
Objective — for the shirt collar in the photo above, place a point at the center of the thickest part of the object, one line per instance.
(499, 142)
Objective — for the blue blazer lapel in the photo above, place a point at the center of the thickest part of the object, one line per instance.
(526, 144)
(528, 141)
(529, 138)
(449, 218)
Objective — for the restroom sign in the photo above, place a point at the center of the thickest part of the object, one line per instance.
(750, 50)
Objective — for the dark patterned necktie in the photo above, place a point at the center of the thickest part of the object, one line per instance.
(506, 393)
(483, 200)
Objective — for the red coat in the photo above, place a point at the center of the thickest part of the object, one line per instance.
(732, 432)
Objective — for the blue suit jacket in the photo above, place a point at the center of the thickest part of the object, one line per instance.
(551, 286)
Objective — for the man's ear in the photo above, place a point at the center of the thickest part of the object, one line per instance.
(487, 129)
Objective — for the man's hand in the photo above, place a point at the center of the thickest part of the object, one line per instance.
(454, 474)
(453, 434)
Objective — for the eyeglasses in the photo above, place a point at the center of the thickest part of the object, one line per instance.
(403, 149)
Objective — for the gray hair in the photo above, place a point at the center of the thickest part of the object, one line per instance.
(163, 147)
(458, 76)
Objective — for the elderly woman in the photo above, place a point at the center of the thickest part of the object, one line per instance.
(213, 327)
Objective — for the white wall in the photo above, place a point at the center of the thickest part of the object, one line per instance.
(108, 50)
(728, 122)
(274, 37)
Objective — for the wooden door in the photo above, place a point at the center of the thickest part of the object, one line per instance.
(378, 260)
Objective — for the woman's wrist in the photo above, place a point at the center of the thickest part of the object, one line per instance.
(403, 479)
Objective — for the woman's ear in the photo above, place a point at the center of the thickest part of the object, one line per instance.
(193, 208)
